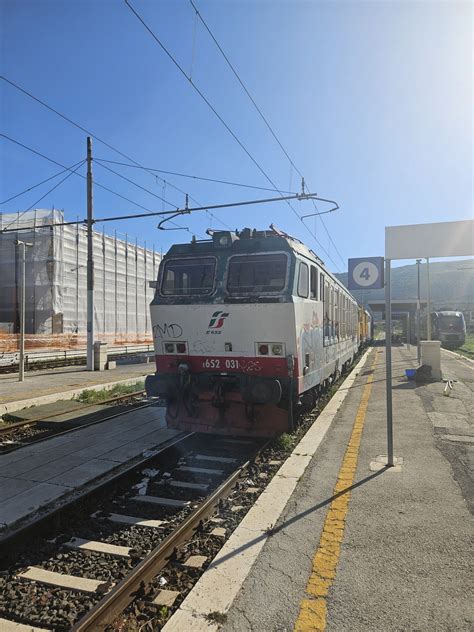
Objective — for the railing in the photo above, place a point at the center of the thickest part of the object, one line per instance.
(8, 359)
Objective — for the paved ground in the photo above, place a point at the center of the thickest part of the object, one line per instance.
(61, 381)
(39, 476)
(404, 559)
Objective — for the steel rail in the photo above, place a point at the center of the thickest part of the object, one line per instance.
(122, 595)
(8, 359)
(5, 430)
(10, 536)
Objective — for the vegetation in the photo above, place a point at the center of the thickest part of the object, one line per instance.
(90, 396)
(468, 347)
(284, 442)
(217, 617)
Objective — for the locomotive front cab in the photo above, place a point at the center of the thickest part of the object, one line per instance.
(246, 326)
(222, 326)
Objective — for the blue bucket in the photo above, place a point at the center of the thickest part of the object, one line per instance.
(410, 373)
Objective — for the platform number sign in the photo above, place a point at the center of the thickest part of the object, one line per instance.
(366, 273)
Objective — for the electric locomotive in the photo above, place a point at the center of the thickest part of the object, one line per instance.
(246, 326)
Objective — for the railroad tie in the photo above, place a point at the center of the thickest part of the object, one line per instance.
(130, 520)
(98, 547)
(71, 582)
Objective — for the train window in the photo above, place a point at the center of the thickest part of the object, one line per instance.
(321, 287)
(257, 273)
(182, 277)
(303, 280)
(314, 284)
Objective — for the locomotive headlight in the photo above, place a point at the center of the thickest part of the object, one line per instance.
(263, 349)
(224, 240)
(277, 349)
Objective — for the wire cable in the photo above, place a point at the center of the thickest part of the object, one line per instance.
(34, 186)
(216, 113)
(99, 161)
(83, 129)
(187, 175)
(243, 86)
(100, 140)
(58, 184)
(139, 186)
(38, 153)
(263, 117)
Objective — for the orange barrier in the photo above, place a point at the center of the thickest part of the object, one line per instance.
(9, 343)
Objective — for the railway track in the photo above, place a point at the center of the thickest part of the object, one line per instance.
(18, 434)
(35, 360)
(127, 555)
(120, 539)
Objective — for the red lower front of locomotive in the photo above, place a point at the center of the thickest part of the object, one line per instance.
(228, 396)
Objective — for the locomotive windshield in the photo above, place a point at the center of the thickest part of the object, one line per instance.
(188, 276)
(454, 322)
(257, 273)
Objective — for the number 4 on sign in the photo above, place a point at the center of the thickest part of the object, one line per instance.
(365, 273)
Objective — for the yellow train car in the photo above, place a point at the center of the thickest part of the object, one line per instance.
(365, 325)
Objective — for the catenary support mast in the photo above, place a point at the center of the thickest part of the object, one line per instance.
(90, 261)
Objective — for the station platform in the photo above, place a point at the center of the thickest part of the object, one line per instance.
(50, 385)
(340, 542)
(38, 479)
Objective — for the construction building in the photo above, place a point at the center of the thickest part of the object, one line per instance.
(56, 277)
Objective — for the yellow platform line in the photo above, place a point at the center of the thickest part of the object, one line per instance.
(313, 609)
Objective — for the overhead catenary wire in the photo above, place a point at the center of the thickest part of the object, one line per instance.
(100, 140)
(85, 130)
(98, 184)
(99, 161)
(183, 211)
(35, 186)
(58, 184)
(194, 177)
(139, 186)
(263, 117)
(216, 113)
(81, 127)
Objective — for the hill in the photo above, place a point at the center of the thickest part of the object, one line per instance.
(452, 284)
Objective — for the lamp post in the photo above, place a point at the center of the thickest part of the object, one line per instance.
(418, 342)
(22, 246)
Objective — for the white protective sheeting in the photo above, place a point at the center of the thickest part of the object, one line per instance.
(56, 280)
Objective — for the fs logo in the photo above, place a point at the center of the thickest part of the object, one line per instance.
(216, 323)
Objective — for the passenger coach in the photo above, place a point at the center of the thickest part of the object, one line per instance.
(246, 325)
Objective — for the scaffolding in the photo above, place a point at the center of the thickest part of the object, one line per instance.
(56, 294)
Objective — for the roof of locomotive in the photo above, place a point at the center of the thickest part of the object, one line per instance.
(246, 240)
(251, 241)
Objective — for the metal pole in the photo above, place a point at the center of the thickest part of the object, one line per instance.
(104, 305)
(90, 262)
(145, 263)
(408, 331)
(428, 301)
(22, 245)
(136, 289)
(126, 288)
(115, 286)
(21, 376)
(77, 283)
(388, 362)
(418, 332)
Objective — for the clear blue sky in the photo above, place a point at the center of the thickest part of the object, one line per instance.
(372, 100)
